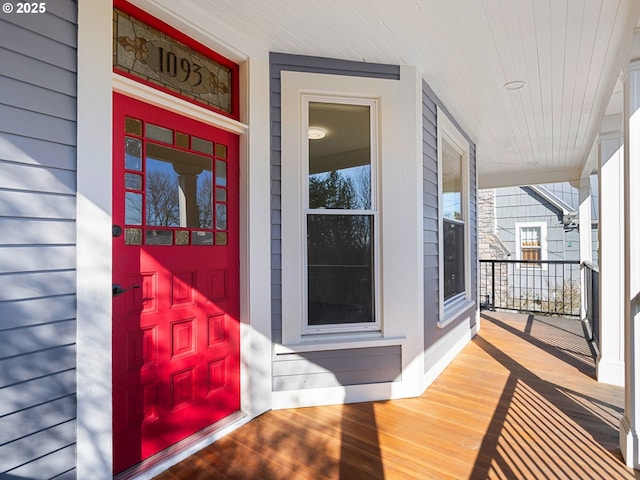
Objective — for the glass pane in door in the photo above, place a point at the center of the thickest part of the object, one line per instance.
(179, 188)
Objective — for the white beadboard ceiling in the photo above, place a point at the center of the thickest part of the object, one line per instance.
(569, 53)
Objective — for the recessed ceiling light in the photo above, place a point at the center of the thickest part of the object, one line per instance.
(316, 133)
(515, 85)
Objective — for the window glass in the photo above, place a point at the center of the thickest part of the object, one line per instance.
(221, 151)
(221, 173)
(221, 216)
(340, 269)
(340, 161)
(178, 188)
(132, 181)
(133, 208)
(221, 238)
(168, 187)
(182, 140)
(451, 182)
(133, 236)
(454, 257)
(132, 154)
(201, 145)
(133, 126)
(159, 237)
(453, 235)
(221, 195)
(530, 242)
(161, 134)
(202, 238)
(340, 247)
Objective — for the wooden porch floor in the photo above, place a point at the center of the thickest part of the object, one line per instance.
(519, 402)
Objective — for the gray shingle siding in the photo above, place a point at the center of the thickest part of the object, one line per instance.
(37, 242)
(522, 205)
(286, 375)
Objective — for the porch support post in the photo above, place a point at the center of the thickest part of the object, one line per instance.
(630, 425)
(93, 233)
(610, 361)
(585, 236)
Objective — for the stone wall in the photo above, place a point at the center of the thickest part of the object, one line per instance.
(489, 246)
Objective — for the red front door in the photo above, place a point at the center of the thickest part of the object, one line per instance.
(176, 365)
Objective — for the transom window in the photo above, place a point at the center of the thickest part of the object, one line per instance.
(340, 216)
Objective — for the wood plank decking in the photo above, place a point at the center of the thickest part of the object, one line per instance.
(519, 402)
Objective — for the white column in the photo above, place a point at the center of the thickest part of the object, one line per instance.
(610, 361)
(93, 224)
(630, 425)
(584, 214)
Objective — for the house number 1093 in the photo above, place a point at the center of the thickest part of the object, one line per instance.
(181, 68)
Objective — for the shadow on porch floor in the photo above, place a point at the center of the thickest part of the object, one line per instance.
(519, 402)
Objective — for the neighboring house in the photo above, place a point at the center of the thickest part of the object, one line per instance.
(534, 222)
(201, 220)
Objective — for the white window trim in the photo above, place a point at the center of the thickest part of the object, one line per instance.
(544, 254)
(452, 308)
(373, 104)
(399, 286)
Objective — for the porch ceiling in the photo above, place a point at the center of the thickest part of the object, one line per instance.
(568, 52)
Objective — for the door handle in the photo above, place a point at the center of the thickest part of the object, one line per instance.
(118, 290)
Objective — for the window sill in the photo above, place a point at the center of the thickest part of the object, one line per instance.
(453, 310)
(326, 342)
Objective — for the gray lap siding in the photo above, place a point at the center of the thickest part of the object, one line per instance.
(37, 242)
(433, 333)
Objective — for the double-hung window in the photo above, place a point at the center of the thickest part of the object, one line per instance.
(340, 215)
(454, 221)
(531, 242)
(453, 169)
(336, 130)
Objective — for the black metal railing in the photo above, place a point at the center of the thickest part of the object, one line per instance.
(591, 299)
(544, 287)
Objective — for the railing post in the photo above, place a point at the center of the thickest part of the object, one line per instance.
(493, 285)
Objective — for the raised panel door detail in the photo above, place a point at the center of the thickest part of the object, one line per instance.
(134, 301)
(218, 330)
(182, 388)
(183, 338)
(218, 284)
(142, 404)
(217, 375)
(147, 292)
(182, 288)
(141, 348)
